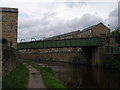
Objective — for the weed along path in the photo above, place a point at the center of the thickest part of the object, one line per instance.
(35, 78)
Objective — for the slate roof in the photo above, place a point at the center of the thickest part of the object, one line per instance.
(63, 35)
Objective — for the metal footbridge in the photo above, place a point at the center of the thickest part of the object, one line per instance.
(78, 42)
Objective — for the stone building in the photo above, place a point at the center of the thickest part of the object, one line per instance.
(9, 21)
(94, 31)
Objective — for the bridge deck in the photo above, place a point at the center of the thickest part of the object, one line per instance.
(79, 42)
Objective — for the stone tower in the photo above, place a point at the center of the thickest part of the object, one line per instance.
(9, 21)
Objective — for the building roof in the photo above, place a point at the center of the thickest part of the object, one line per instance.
(74, 32)
(7, 9)
(66, 34)
(91, 27)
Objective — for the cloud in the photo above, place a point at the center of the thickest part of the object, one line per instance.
(85, 21)
(43, 18)
(75, 4)
(34, 26)
(113, 19)
(47, 27)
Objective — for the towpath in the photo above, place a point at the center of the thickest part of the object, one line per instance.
(35, 78)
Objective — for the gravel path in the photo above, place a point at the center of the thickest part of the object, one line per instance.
(35, 78)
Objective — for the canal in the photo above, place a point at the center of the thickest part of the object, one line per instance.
(81, 76)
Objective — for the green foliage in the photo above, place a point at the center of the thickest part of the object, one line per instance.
(116, 34)
(49, 79)
(18, 78)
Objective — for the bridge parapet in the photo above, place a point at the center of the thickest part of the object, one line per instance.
(79, 42)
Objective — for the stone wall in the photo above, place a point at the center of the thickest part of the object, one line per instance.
(95, 30)
(9, 57)
(59, 57)
(111, 61)
(88, 55)
(105, 56)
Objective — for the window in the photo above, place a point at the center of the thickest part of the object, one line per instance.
(10, 27)
(11, 43)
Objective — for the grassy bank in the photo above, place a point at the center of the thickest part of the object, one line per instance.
(49, 79)
(18, 78)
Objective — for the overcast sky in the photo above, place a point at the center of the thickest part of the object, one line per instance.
(46, 18)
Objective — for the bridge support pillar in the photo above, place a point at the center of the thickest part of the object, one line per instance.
(96, 56)
(92, 55)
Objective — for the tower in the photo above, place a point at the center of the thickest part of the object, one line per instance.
(9, 21)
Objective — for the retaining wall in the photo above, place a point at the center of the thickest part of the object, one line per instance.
(9, 57)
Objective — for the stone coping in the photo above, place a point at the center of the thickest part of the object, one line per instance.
(7, 9)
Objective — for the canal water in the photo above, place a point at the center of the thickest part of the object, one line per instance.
(81, 76)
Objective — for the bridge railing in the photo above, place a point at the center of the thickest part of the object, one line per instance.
(78, 42)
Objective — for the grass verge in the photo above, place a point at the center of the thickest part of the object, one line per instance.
(49, 79)
(18, 78)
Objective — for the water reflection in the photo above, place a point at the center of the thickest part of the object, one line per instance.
(80, 76)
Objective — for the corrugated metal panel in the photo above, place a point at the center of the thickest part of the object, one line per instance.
(28, 45)
(73, 42)
(64, 43)
(96, 41)
(58, 43)
(48, 44)
(54, 43)
(67, 43)
(41, 44)
(92, 42)
(83, 42)
(45, 44)
(87, 42)
(36, 44)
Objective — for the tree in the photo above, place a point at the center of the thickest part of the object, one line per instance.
(116, 34)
